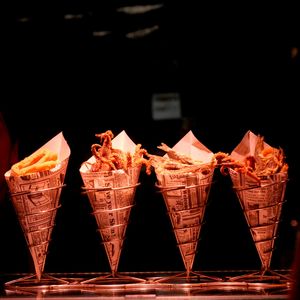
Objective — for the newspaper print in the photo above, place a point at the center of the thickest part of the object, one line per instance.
(110, 196)
(179, 192)
(36, 198)
(188, 252)
(186, 218)
(186, 235)
(262, 206)
(185, 197)
(113, 232)
(264, 233)
(113, 250)
(106, 218)
(263, 216)
(111, 206)
(265, 250)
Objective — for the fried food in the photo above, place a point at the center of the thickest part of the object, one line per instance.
(41, 160)
(109, 158)
(176, 162)
(265, 161)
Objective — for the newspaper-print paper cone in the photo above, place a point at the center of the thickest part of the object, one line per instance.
(262, 207)
(187, 241)
(113, 238)
(111, 195)
(186, 198)
(36, 198)
(111, 217)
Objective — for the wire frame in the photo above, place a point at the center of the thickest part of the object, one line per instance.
(185, 197)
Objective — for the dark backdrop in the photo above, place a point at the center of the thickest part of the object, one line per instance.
(233, 72)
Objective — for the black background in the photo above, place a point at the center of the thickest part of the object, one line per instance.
(232, 69)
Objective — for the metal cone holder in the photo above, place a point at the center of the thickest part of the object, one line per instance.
(111, 195)
(36, 199)
(262, 206)
(37, 224)
(185, 197)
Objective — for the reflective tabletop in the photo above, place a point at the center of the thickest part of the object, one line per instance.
(247, 284)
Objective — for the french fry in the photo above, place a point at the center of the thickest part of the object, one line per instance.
(41, 160)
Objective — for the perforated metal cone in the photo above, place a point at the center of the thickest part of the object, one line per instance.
(262, 206)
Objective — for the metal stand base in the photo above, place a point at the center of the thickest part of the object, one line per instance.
(32, 282)
(115, 278)
(262, 276)
(187, 277)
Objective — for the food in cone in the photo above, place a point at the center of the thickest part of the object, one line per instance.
(259, 174)
(184, 175)
(110, 179)
(35, 185)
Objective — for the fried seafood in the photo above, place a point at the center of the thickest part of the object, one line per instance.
(41, 160)
(176, 162)
(266, 161)
(175, 155)
(108, 158)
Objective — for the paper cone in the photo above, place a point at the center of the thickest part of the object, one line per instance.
(111, 217)
(111, 195)
(187, 241)
(185, 190)
(113, 238)
(36, 198)
(185, 197)
(262, 206)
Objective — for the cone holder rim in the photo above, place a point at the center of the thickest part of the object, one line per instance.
(279, 203)
(40, 244)
(243, 188)
(188, 227)
(36, 191)
(186, 243)
(112, 226)
(170, 211)
(40, 229)
(99, 211)
(23, 216)
(100, 189)
(113, 239)
(266, 240)
(166, 188)
(264, 225)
